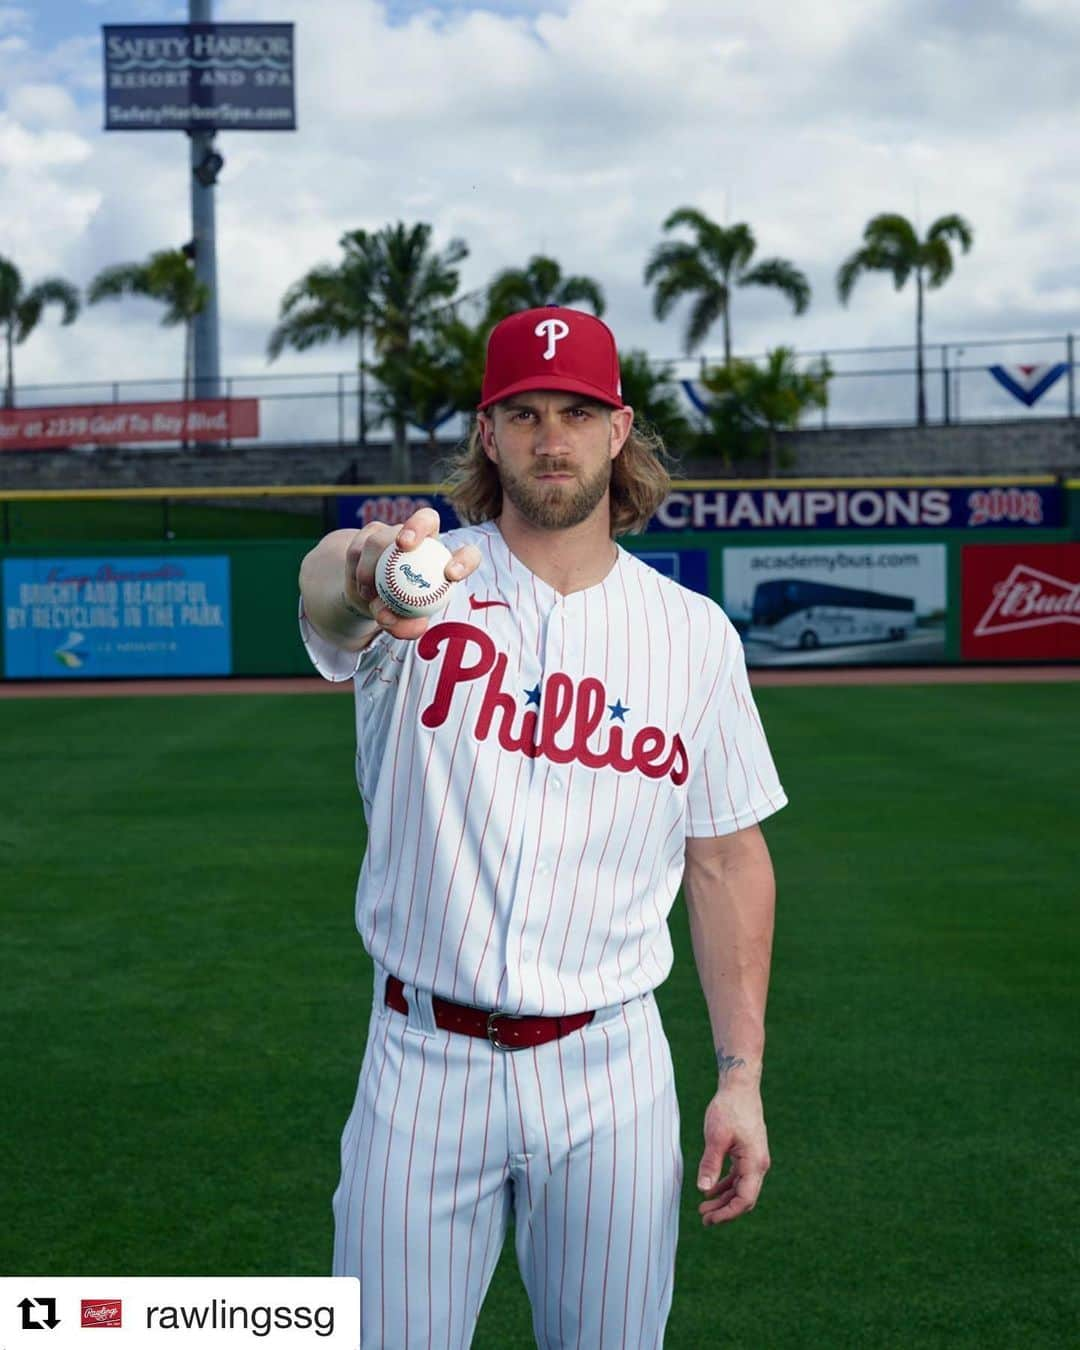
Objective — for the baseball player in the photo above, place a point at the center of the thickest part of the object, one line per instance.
(541, 764)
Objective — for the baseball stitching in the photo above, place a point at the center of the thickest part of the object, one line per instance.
(391, 585)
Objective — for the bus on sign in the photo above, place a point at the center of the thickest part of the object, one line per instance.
(199, 77)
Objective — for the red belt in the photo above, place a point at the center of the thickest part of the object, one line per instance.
(505, 1031)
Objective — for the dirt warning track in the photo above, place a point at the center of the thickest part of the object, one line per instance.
(306, 684)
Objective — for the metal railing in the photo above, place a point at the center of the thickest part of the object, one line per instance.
(870, 386)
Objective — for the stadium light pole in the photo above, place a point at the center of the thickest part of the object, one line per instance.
(206, 163)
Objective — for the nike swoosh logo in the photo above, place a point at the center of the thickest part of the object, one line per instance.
(486, 604)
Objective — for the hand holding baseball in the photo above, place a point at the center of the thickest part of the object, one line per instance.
(362, 562)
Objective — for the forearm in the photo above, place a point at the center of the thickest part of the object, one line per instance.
(730, 895)
(332, 605)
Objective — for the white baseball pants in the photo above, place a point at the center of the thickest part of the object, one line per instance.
(449, 1136)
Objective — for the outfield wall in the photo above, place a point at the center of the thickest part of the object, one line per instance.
(817, 572)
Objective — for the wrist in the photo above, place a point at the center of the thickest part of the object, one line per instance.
(735, 1071)
(355, 608)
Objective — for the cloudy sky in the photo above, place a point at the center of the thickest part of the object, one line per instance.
(570, 127)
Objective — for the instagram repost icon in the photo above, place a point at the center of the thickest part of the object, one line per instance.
(101, 1312)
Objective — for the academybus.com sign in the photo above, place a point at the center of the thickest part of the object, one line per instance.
(211, 419)
(199, 77)
(1020, 604)
(867, 604)
(83, 618)
(879, 507)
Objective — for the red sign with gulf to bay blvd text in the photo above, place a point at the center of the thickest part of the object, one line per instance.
(209, 419)
(1020, 603)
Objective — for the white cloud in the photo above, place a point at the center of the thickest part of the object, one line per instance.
(575, 128)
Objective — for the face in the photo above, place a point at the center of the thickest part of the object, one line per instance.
(554, 452)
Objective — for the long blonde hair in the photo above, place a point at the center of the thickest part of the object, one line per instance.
(640, 480)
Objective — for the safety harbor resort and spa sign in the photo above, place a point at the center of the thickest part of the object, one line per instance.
(199, 77)
(83, 618)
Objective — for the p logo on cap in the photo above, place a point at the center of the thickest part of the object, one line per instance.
(565, 350)
(556, 330)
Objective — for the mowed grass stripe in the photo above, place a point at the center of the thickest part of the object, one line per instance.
(185, 1000)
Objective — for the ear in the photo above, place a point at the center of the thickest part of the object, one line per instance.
(622, 419)
(486, 426)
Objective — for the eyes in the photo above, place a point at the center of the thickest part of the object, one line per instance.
(529, 416)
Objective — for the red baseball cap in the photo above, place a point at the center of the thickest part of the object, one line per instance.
(552, 348)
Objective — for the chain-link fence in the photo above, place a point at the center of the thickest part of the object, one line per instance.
(964, 381)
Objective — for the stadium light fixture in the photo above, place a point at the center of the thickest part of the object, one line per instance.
(208, 168)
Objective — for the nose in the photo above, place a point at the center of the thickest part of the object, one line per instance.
(550, 439)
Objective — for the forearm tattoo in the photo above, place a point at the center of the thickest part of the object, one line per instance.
(725, 1063)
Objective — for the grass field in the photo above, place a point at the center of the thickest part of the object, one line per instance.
(183, 1004)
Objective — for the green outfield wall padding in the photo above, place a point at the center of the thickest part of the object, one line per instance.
(264, 591)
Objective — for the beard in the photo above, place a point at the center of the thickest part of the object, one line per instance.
(554, 506)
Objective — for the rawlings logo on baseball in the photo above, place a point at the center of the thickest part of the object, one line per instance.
(417, 578)
(413, 584)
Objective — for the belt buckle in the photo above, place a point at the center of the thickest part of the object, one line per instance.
(493, 1034)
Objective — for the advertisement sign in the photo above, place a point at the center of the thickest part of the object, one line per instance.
(199, 77)
(881, 507)
(392, 508)
(84, 618)
(208, 419)
(1020, 603)
(688, 566)
(874, 605)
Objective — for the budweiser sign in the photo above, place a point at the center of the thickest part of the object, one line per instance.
(1021, 603)
(1029, 599)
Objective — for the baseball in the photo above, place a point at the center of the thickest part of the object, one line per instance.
(413, 584)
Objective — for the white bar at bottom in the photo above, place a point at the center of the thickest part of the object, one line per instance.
(252, 1311)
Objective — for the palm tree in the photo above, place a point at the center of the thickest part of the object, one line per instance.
(707, 270)
(167, 276)
(755, 403)
(409, 287)
(21, 310)
(329, 304)
(540, 282)
(891, 244)
(441, 375)
(650, 391)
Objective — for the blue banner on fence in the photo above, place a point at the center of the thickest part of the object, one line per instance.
(900, 507)
(688, 566)
(392, 508)
(83, 618)
(199, 77)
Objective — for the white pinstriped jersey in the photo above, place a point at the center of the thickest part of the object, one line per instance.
(530, 770)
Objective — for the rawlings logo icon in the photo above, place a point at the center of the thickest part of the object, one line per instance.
(417, 578)
(1029, 599)
(554, 330)
(577, 709)
(101, 1312)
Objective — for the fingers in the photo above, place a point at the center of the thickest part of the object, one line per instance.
(422, 524)
(734, 1195)
(397, 625)
(363, 555)
(463, 562)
